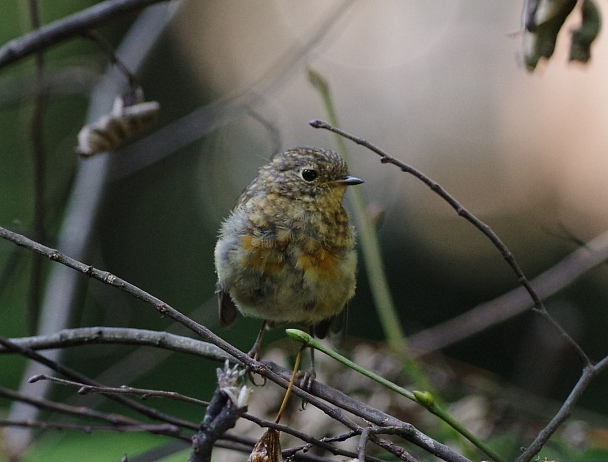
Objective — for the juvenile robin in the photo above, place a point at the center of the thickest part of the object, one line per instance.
(286, 253)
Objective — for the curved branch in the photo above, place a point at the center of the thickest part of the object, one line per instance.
(506, 254)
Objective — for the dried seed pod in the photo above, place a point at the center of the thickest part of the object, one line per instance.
(268, 448)
(111, 130)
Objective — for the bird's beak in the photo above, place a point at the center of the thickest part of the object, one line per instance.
(350, 180)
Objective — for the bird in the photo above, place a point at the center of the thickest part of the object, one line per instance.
(286, 253)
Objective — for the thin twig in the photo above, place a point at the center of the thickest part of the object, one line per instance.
(85, 389)
(588, 374)
(165, 429)
(110, 52)
(76, 376)
(322, 443)
(385, 158)
(564, 412)
(371, 433)
(398, 451)
(79, 411)
(39, 163)
(362, 444)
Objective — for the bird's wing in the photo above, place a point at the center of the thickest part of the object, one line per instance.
(334, 324)
(227, 309)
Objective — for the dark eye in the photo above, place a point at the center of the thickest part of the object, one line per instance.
(309, 175)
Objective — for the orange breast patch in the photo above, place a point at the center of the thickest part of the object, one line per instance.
(261, 255)
(320, 264)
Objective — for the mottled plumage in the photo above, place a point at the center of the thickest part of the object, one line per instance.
(287, 252)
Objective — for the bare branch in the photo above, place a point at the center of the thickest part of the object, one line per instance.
(69, 28)
(385, 158)
(588, 374)
(39, 161)
(564, 412)
(145, 393)
(79, 411)
(77, 376)
(121, 335)
(164, 429)
(491, 313)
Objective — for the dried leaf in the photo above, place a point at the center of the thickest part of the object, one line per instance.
(544, 19)
(130, 116)
(583, 37)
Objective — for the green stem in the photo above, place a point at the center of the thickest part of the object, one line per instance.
(368, 236)
(372, 256)
(423, 398)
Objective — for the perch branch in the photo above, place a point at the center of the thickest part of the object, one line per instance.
(121, 335)
(266, 370)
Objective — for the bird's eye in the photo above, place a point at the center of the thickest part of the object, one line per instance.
(309, 175)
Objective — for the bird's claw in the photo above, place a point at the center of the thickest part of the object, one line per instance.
(306, 379)
(254, 354)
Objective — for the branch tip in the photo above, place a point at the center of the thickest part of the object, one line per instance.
(316, 123)
(36, 378)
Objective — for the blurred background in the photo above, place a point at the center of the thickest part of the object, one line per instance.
(438, 85)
